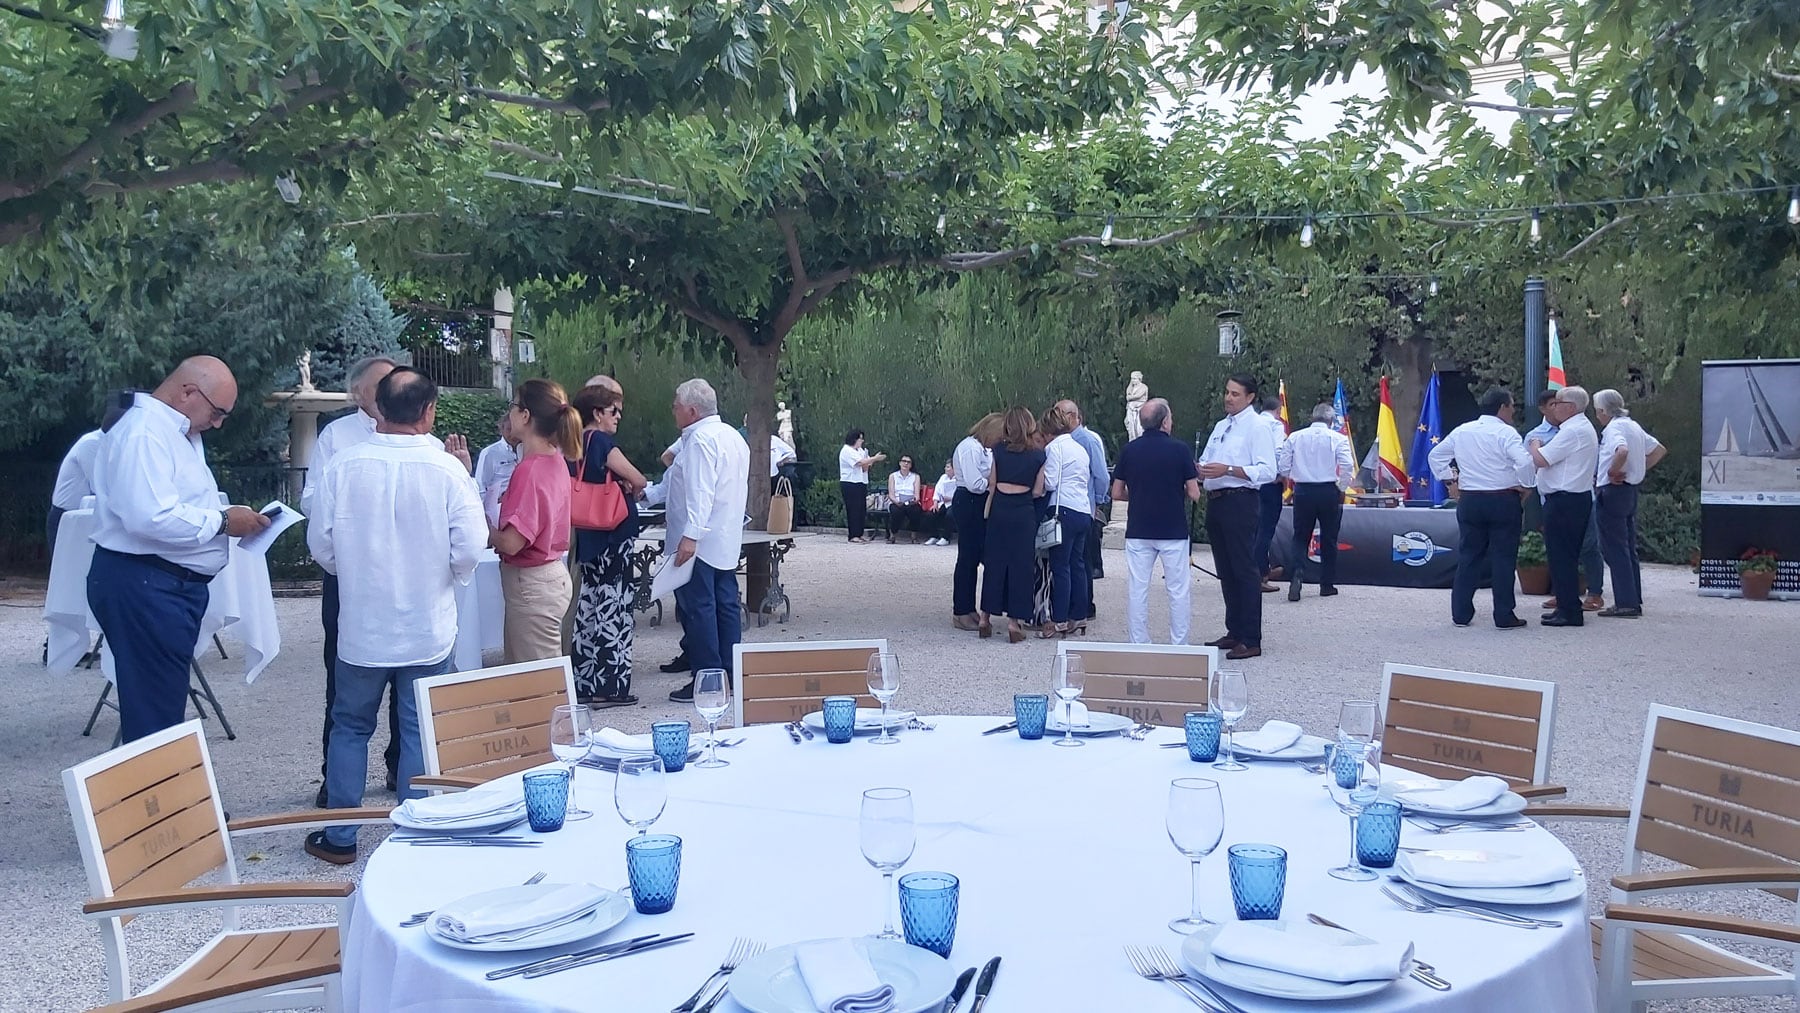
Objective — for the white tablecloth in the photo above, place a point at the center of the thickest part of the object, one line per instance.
(1062, 855)
(480, 615)
(239, 597)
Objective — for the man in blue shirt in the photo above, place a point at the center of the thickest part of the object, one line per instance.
(1099, 487)
(1157, 476)
(1593, 570)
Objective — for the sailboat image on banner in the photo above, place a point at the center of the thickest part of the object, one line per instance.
(1775, 440)
(1727, 444)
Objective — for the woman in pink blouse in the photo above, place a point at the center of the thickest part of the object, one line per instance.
(533, 532)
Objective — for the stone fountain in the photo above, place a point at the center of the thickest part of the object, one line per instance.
(304, 404)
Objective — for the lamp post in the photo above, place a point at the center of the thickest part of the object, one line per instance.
(1231, 333)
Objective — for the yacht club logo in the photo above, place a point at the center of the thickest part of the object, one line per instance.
(1415, 548)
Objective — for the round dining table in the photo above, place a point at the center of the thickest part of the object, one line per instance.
(1062, 855)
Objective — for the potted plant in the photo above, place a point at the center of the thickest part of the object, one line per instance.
(1533, 564)
(1756, 573)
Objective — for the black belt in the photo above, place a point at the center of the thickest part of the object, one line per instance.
(1491, 492)
(159, 563)
(1218, 493)
(1315, 485)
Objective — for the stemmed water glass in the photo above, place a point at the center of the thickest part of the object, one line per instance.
(1357, 723)
(1196, 822)
(571, 739)
(1071, 679)
(712, 696)
(1231, 698)
(639, 792)
(884, 682)
(887, 841)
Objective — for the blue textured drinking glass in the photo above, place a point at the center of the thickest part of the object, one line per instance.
(1203, 736)
(928, 910)
(840, 718)
(546, 799)
(1378, 834)
(1030, 710)
(1346, 763)
(670, 738)
(1258, 880)
(653, 863)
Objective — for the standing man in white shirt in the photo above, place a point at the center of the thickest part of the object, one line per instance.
(1492, 471)
(1626, 453)
(160, 538)
(1268, 511)
(709, 484)
(780, 456)
(494, 466)
(75, 476)
(1566, 479)
(973, 459)
(1319, 461)
(394, 489)
(1100, 488)
(1239, 458)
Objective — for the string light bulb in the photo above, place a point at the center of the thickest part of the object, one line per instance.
(1537, 228)
(1794, 206)
(1434, 286)
(1306, 233)
(940, 223)
(1106, 233)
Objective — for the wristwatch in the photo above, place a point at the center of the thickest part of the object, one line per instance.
(225, 521)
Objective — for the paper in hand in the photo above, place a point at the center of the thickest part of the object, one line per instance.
(284, 518)
(670, 576)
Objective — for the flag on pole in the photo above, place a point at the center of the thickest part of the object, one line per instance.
(1287, 425)
(1390, 466)
(1430, 430)
(1341, 405)
(1558, 379)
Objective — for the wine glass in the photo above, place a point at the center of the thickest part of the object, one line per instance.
(1071, 679)
(887, 841)
(1196, 822)
(1350, 801)
(1358, 719)
(884, 682)
(712, 696)
(639, 792)
(571, 738)
(1231, 698)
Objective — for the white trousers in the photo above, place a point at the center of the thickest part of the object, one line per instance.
(1141, 555)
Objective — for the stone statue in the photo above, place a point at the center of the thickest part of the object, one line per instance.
(784, 423)
(1136, 394)
(306, 370)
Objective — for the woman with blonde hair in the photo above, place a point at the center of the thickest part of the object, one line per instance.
(973, 459)
(600, 642)
(533, 530)
(1014, 479)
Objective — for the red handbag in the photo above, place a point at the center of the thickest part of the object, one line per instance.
(596, 506)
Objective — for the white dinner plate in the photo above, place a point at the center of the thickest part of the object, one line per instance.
(1099, 723)
(1307, 747)
(611, 911)
(1196, 954)
(868, 719)
(487, 822)
(1509, 804)
(1543, 893)
(771, 983)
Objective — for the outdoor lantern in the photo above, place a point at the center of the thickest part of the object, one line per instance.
(1231, 333)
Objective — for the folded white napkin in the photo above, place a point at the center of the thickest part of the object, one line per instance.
(1311, 951)
(1272, 737)
(505, 921)
(1495, 872)
(617, 741)
(840, 978)
(1074, 712)
(1458, 796)
(495, 800)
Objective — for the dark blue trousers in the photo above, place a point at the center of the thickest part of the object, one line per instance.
(1070, 585)
(151, 620)
(971, 544)
(1231, 526)
(1268, 514)
(711, 624)
(1565, 524)
(1487, 541)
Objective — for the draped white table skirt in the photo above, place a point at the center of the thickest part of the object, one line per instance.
(1062, 855)
(480, 615)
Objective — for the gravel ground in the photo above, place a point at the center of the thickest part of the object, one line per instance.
(1724, 656)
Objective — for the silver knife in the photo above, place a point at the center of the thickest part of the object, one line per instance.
(963, 981)
(652, 944)
(516, 969)
(793, 733)
(985, 984)
(1007, 727)
(808, 732)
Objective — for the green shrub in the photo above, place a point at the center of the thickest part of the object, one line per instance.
(1668, 526)
(1532, 551)
(823, 504)
(475, 416)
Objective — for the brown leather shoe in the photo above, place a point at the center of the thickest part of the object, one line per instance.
(1242, 651)
(1269, 588)
(966, 623)
(1224, 642)
(1549, 604)
(1593, 603)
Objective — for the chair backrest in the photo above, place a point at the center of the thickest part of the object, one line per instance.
(492, 721)
(148, 820)
(783, 682)
(1151, 683)
(1456, 724)
(1715, 792)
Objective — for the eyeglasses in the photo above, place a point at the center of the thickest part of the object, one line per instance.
(616, 411)
(219, 414)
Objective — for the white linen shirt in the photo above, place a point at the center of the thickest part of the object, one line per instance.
(338, 436)
(154, 494)
(1573, 453)
(709, 483)
(494, 467)
(779, 451)
(1247, 441)
(847, 468)
(1277, 428)
(973, 462)
(75, 476)
(943, 492)
(1489, 456)
(1624, 432)
(1066, 465)
(399, 523)
(1317, 453)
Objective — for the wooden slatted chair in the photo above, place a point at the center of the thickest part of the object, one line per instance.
(1149, 683)
(777, 683)
(149, 823)
(1457, 724)
(476, 726)
(1718, 796)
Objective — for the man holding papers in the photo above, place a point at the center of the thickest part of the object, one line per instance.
(709, 483)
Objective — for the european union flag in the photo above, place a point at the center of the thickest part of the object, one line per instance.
(1430, 430)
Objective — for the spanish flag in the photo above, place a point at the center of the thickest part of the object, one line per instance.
(1387, 442)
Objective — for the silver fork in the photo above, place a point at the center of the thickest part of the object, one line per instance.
(1141, 731)
(1423, 898)
(793, 730)
(1497, 917)
(421, 917)
(1173, 972)
(741, 950)
(1147, 969)
(915, 724)
(1470, 826)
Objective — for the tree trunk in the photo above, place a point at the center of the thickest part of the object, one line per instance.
(759, 365)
